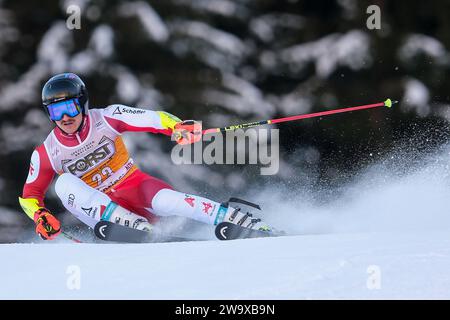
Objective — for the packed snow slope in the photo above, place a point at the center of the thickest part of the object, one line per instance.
(384, 234)
(369, 265)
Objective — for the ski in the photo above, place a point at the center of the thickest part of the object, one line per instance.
(109, 231)
(231, 231)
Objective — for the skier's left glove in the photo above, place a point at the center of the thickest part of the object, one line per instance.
(187, 132)
(47, 226)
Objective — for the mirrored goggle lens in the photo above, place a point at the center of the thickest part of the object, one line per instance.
(58, 109)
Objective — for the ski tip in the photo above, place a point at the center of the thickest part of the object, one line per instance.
(388, 102)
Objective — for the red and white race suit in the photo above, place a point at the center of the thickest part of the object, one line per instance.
(98, 157)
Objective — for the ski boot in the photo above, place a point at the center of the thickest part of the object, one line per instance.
(117, 214)
(246, 220)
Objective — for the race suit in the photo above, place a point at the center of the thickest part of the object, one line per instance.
(95, 170)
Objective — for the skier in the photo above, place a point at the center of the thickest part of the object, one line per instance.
(98, 180)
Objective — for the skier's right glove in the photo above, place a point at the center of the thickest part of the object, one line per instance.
(187, 132)
(47, 226)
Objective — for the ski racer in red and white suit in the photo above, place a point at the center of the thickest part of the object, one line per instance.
(94, 168)
(97, 178)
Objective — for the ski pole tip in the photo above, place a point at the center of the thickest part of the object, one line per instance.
(388, 102)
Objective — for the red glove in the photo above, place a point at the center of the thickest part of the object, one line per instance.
(188, 131)
(47, 226)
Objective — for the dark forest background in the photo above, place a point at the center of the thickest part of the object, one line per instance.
(227, 62)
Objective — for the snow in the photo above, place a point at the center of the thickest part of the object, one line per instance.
(264, 26)
(296, 103)
(82, 4)
(350, 49)
(214, 47)
(384, 237)
(26, 90)
(224, 8)
(31, 133)
(135, 91)
(127, 86)
(350, 8)
(11, 223)
(384, 234)
(297, 267)
(54, 47)
(84, 62)
(102, 41)
(152, 23)
(420, 43)
(219, 39)
(247, 99)
(416, 96)
(7, 31)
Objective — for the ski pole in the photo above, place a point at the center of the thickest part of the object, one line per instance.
(387, 103)
(70, 237)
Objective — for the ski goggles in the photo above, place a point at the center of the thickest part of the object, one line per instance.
(58, 109)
